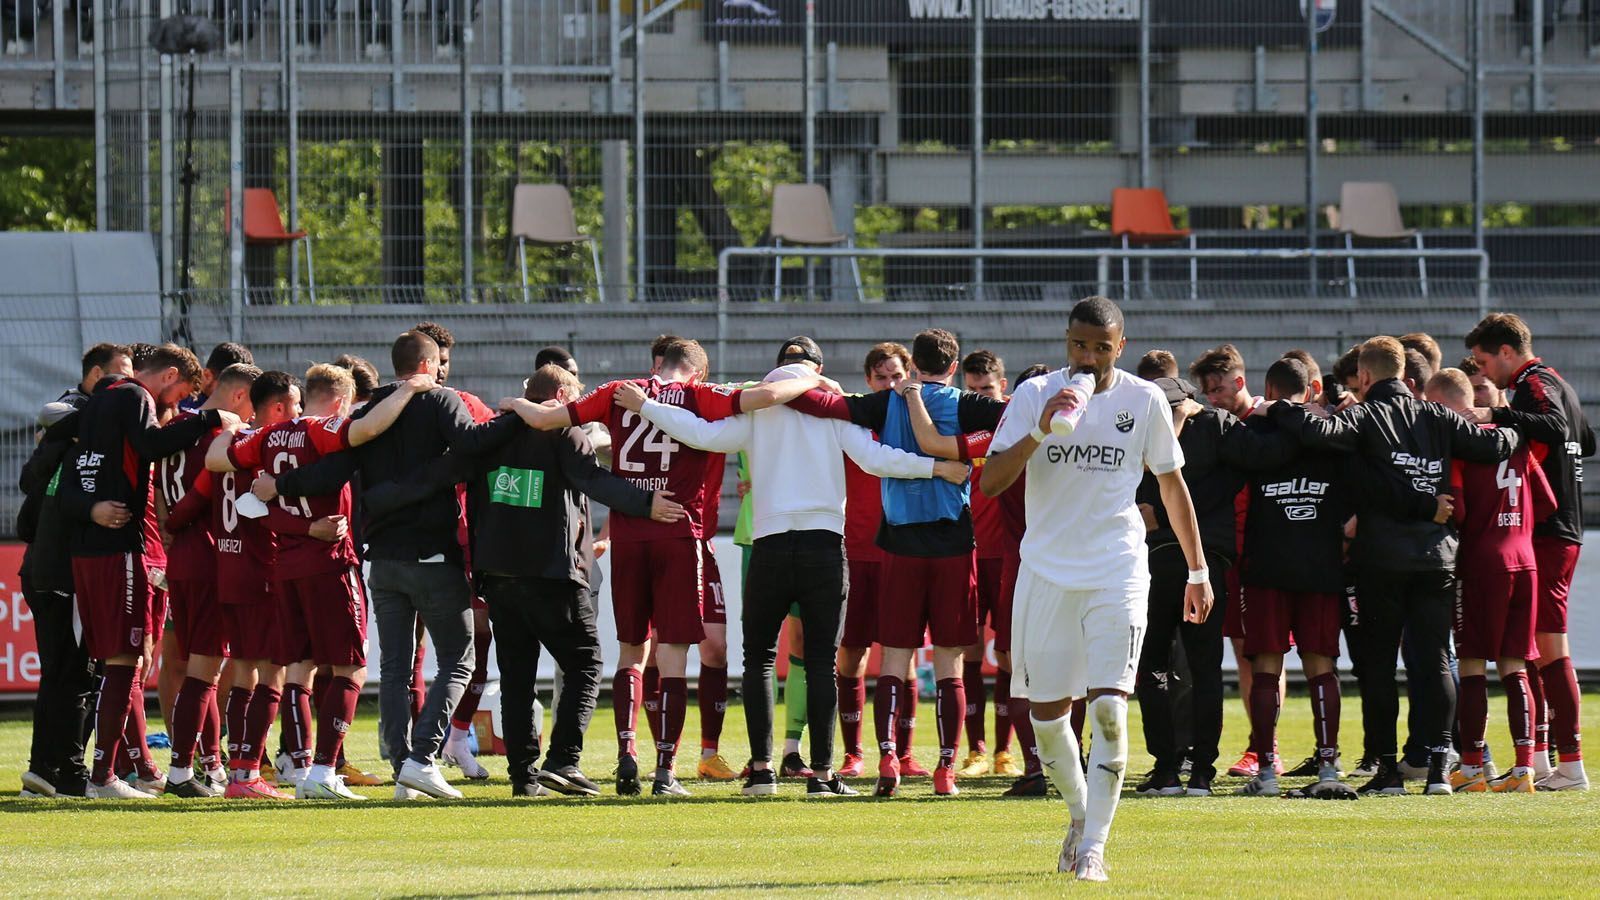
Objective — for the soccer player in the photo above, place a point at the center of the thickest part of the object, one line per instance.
(197, 619)
(104, 491)
(1220, 374)
(223, 355)
(1545, 408)
(798, 556)
(1293, 586)
(1404, 557)
(928, 548)
(1079, 610)
(656, 570)
(1496, 508)
(98, 361)
(322, 604)
(886, 366)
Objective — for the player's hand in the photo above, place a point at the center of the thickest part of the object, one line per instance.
(742, 489)
(265, 487)
(1063, 401)
(629, 396)
(420, 383)
(1350, 529)
(1188, 409)
(1445, 510)
(664, 509)
(952, 471)
(1480, 415)
(329, 528)
(1147, 512)
(600, 548)
(1346, 402)
(230, 421)
(1197, 602)
(1264, 408)
(908, 389)
(828, 385)
(110, 514)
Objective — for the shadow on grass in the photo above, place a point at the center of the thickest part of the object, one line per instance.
(989, 881)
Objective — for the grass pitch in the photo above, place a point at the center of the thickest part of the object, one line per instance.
(721, 843)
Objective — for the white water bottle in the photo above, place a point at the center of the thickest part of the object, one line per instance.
(1063, 423)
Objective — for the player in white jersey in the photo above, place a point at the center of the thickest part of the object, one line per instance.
(1079, 612)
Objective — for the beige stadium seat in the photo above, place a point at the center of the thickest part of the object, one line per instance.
(541, 214)
(1370, 210)
(802, 216)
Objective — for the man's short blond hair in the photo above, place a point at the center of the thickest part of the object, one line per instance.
(329, 380)
(1383, 358)
(548, 381)
(1453, 383)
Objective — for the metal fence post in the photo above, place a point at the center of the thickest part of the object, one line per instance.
(1311, 145)
(1475, 83)
(102, 189)
(469, 292)
(640, 235)
(977, 147)
(1144, 94)
(236, 283)
(808, 108)
(291, 106)
(168, 169)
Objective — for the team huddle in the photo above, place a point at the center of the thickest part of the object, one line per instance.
(251, 525)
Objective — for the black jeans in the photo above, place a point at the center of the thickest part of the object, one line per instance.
(1420, 604)
(1202, 645)
(66, 685)
(558, 614)
(805, 568)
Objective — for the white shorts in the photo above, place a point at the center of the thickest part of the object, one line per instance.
(1064, 642)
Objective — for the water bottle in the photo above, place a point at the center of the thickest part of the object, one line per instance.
(1063, 423)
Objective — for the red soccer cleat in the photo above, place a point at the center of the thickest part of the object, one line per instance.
(258, 789)
(853, 766)
(910, 768)
(1247, 766)
(888, 775)
(944, 782)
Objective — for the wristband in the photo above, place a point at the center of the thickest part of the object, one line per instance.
(1199, 576)
(1037, 434)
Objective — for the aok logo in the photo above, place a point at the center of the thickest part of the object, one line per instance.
(505, 481)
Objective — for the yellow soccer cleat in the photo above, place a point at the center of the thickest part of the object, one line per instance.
(269, 772)
(1517, 781)
(716, 768)
(976, 764)
(1461, 782)
(354, 777)
(1004, 765)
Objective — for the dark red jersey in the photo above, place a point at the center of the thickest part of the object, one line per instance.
(246, 549)
(650, 459)
(1497, 507)
(997, 522)
(863, 513)
(715, 464)
(290, 445)
(155, 552)
(193, 554)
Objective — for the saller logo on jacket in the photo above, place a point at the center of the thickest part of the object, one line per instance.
(517, 487)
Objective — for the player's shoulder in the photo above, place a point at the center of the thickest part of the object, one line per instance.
(1039, 386)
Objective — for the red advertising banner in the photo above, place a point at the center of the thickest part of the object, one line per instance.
(19, 654)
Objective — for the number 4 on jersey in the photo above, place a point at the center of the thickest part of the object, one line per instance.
(1506, 478)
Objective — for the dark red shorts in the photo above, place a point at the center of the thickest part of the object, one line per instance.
(713, 608)
(197, 617)
(988, 588)
(932, 593)
(323, 618)
(658, 583)
(861, 606)
(1557, 560)
(114, 603)
(1000, 620)
(1272, 617)
(160, 608)
(252, 630)
(1494, 614)
(1232, 621)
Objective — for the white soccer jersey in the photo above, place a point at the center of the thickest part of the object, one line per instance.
(1084, 529)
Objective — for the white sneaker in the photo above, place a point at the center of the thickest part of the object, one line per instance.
(1069, 849)
(35, 785)
(283, 762)
(1092, 867)
(116, 789)
(291, 776)
(427, 779)
(322, 783)
(1541, 767)
(457, 752)
(401, 792)
(155, 787)
(217, 779)
(1568, 776)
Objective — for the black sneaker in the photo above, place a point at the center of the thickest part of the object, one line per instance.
(568, 780)
(669, 786)
(833, 787)
(627, 776)
(1306, 769)
(1161, 783)
(192, 789)
(1367, 768)
(528, 789)
(760, 783)
(73, 787)
(1386, 781)
(1033, 785)
(1438, 776)
(1199, 785)
(795, 767)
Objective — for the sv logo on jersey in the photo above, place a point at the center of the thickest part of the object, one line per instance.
(1124, 421)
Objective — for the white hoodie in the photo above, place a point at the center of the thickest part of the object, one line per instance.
(796, 460)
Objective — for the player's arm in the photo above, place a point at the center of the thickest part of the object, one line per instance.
(943, 446)
(436, 477)
(1474, 444)
(45, 460)
(726, 436)
(866, 410)
(777, 393)
(576, 458)
(469, 437)
(151, 440)
(978, 412)
(230, 453)
(1020, 433)
(879, 459)
(1340, 432)
(325, 476)
(384, 414)
(1197, 598)
(1252, 449)
(1541, 416)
